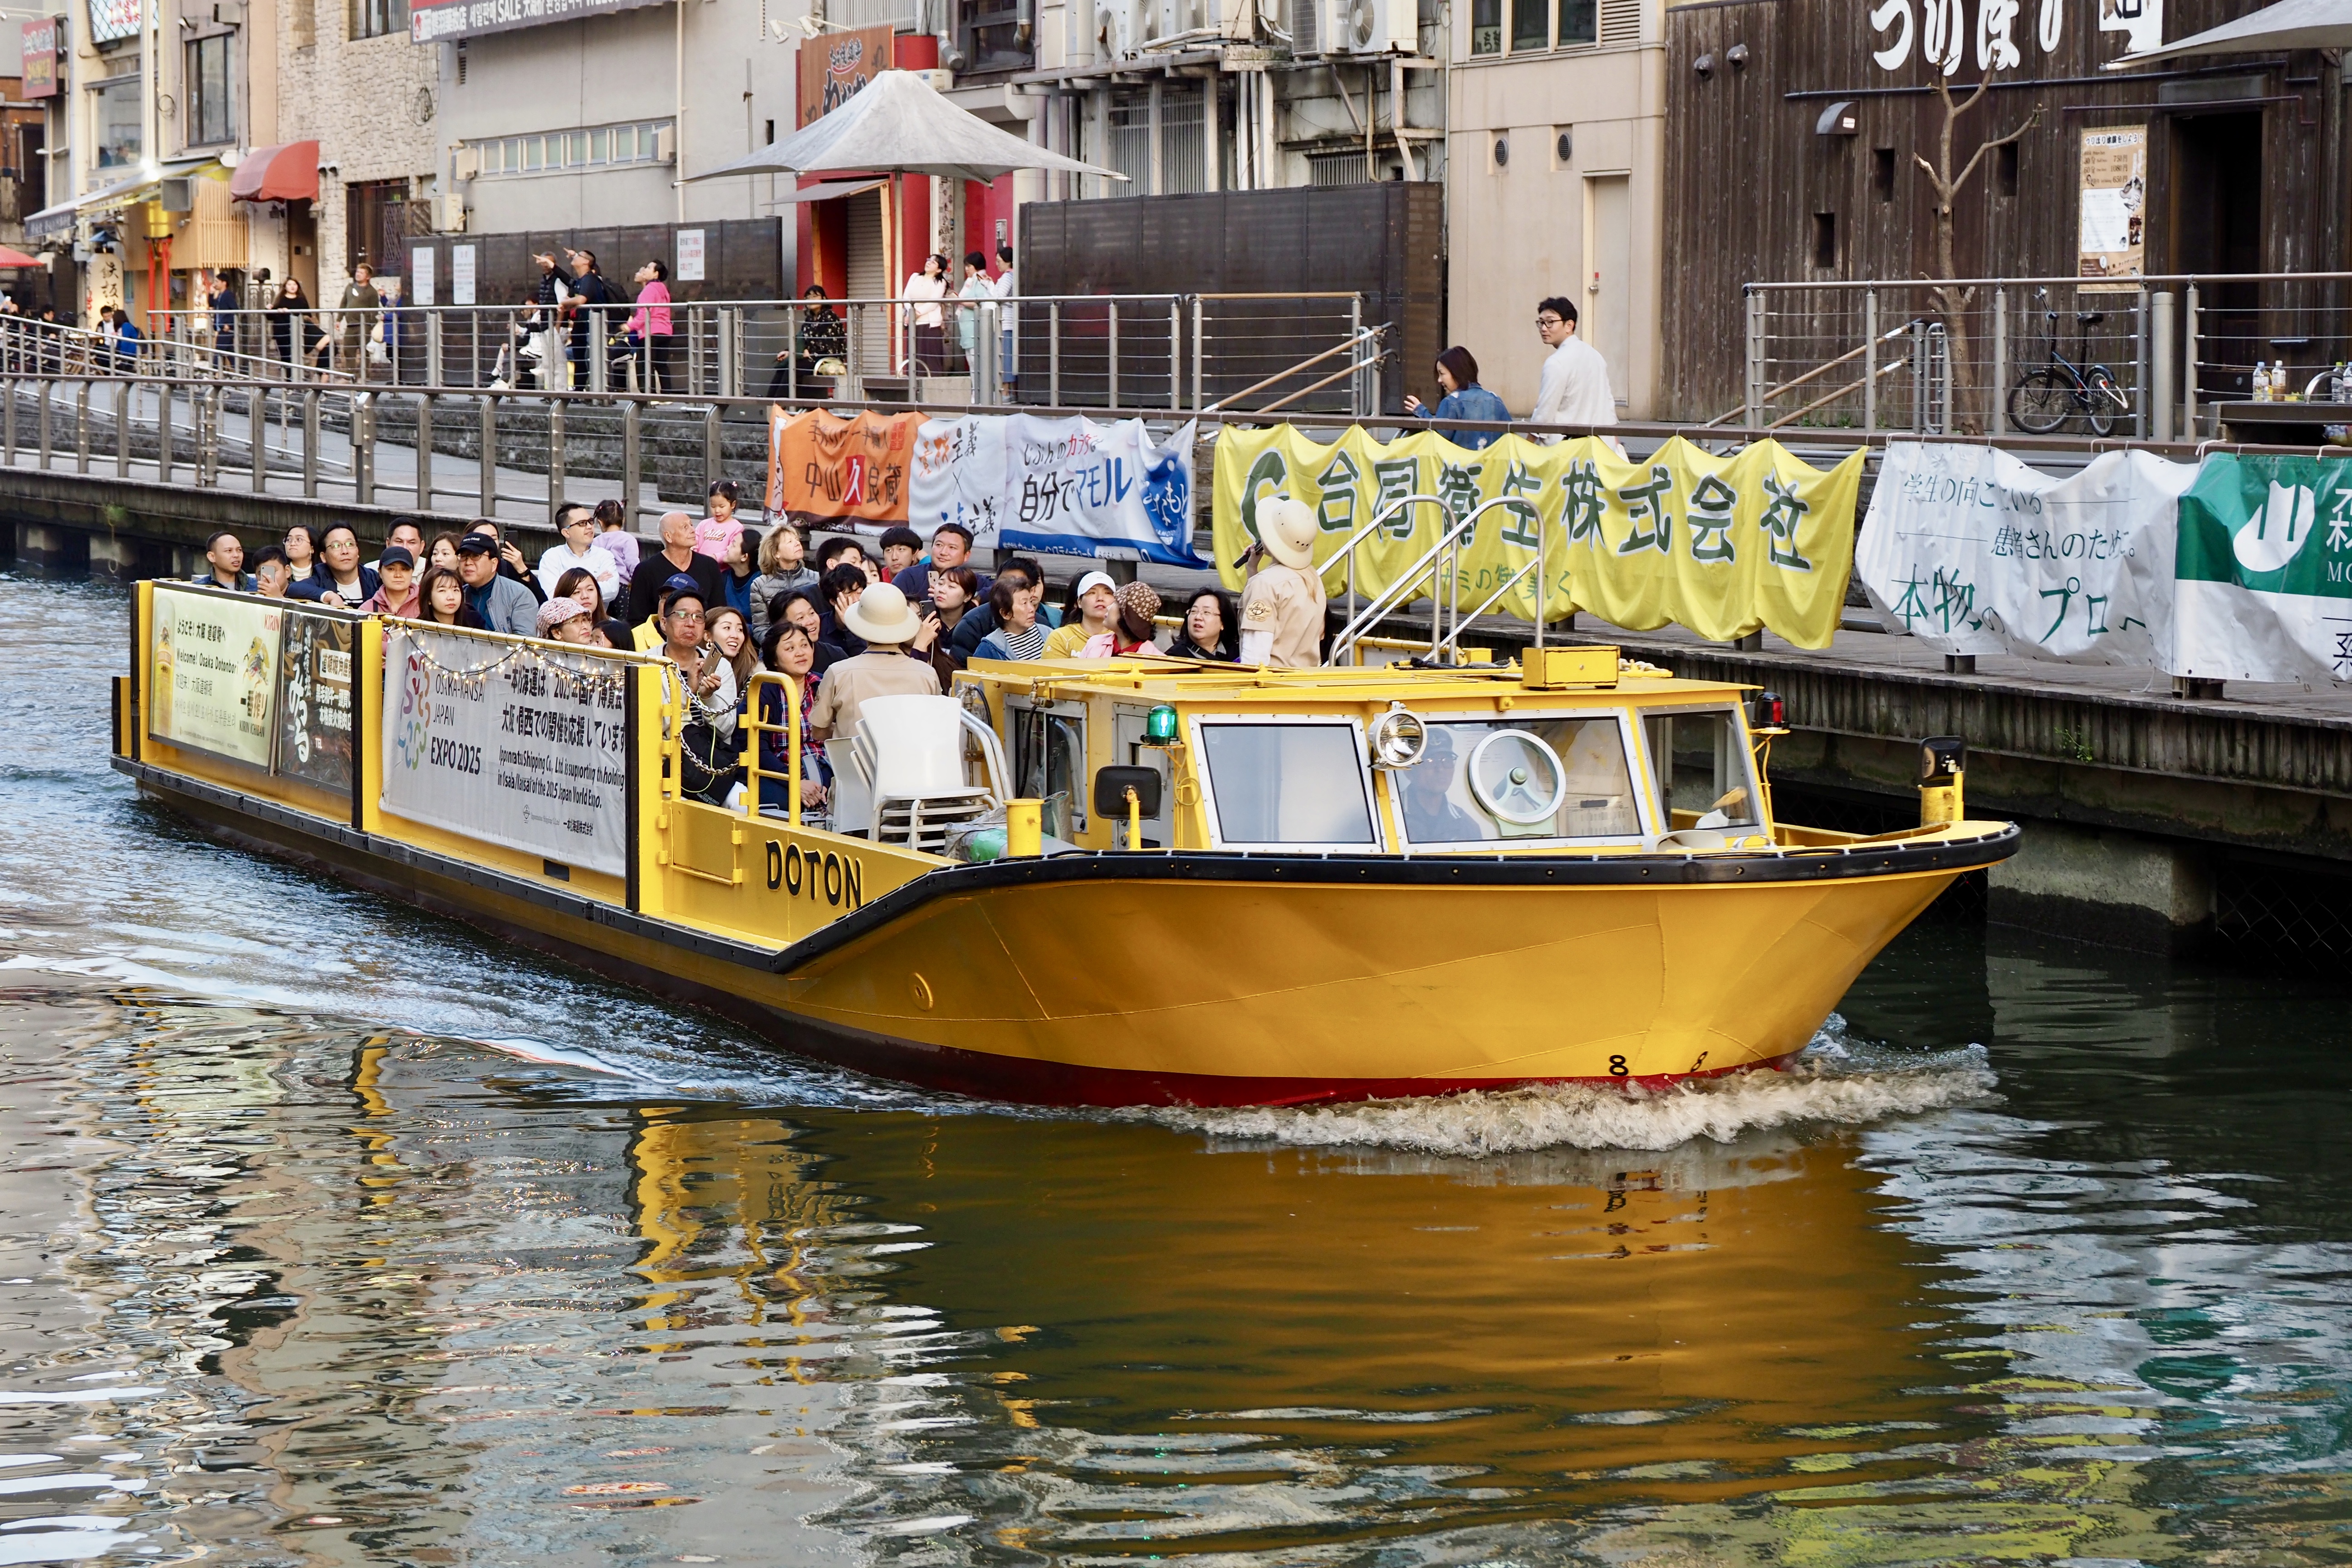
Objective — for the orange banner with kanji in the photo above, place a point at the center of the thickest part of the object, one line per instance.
(824, 467)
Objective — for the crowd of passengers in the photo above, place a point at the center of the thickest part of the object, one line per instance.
(722, 600)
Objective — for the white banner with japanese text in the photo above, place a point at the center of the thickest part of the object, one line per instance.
(512, 743)
(1067, 487)
(213, 672)
(1973, 553)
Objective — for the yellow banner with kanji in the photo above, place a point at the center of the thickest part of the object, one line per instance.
(1722, 545)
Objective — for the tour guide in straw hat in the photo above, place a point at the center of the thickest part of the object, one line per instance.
(1282, 608)
(887, 623)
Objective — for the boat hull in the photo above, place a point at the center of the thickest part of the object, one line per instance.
(1228, 980)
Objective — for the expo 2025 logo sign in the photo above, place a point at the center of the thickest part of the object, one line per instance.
(415, 716)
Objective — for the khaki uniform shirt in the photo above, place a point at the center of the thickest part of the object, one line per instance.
(884, 672)
(1290, 603)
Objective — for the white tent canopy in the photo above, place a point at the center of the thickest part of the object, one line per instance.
(897, 125)
(2289, 24)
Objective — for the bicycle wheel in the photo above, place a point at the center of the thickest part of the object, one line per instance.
(2103, 401)
(2039, 402)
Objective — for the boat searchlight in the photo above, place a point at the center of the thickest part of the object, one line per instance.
(1396, 738)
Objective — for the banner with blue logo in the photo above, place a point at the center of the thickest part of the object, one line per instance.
(1064, 487)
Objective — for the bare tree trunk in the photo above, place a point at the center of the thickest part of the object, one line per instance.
(1952, 300)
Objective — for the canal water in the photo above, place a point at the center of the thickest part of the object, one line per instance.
(334, 1233)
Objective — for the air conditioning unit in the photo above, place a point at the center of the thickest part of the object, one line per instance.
(1371, 28)
(1118, 28)
(466, 163)
(449, 213)
(665, 143)
(177, 195)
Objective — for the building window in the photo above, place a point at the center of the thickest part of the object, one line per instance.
(375, 18)
(1580, 21)
(991, 35)
(2005, 169)
(1531, 22)
(602, 147)
(114, 105)
(1882, 172)
(210, 118)
(1825, 239)
(1485, 27)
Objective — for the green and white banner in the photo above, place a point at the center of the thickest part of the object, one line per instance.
(2263, 585)
(1972, 552)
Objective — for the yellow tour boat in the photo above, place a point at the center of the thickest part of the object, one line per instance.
(1103, 882)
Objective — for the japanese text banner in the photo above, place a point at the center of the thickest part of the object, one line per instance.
(1974, 553)
(1069, 487)
(821, 466)
(1722, 545)
(2263, 585)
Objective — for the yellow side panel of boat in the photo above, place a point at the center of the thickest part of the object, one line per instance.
(1448, 985)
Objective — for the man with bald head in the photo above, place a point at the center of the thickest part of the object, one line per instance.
(677, 555)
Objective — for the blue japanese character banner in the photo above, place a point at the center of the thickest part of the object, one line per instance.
(1067, 487)
(1970, 551)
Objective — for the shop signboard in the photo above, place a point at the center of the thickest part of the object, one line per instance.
(40, 49)
(213, 672)
(431, 20)
(314, 697)
(2114, 207)
(835, 66)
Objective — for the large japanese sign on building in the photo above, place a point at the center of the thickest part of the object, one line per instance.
(431, 20)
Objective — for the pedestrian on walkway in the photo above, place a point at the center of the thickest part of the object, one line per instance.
(1575, 385)
(928, 336)
(290, 327)
(590, 294)
(1457, 378)
(651, 335)
(976, 286)
(355, 319)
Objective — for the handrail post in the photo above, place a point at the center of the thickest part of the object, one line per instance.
(555, 457)
(794, 325)
(2139, 375)
(425, 452)
(2162, 322)
(1355, 340)
(731, 335)
(1196, 353)
(712, 468)
(164, 464)
(485, 485)
(82, 429)
(432, 349)
(312, 398)
(2188, 369)
(123, 392)
(48, 389)
(1870, 359)
(1175, 352)
(8, 424)
(1755, 357)
(631, 460)
(1053, 353)
(1113, 343)
(600, 357)
(256, 419)
(363, 448)
(2000, 421)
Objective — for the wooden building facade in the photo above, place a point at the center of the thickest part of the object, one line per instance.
(1794, 128)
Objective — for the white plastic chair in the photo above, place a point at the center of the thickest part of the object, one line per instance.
(908, 755)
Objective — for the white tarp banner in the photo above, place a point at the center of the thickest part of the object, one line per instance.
(1973, 553)
(1068, 487)
(509, 744)
(2263, 588)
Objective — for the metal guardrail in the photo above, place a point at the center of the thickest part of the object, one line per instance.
(2002, 355)
(1157, 351)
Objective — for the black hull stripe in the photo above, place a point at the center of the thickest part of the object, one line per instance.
(1719, 869)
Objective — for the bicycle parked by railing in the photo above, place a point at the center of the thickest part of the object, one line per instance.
(2048, 395)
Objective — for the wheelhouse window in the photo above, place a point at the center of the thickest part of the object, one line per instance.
(1049, 760)
(1524, 778)
(1702, 768)
(1288, 783)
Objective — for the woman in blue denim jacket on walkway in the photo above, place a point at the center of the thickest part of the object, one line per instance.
(1457, 374)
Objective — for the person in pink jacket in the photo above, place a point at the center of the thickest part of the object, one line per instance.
(650, 336)
(715, 535)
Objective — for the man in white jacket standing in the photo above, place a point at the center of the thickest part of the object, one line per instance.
(1575, 385)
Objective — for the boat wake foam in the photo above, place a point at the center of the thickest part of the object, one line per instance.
(1836, 1081)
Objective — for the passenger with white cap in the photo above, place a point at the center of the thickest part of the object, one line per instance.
(887, 623)
(1282, 605)
(1096, 600)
